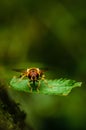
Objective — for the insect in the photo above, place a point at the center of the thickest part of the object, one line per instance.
(34, 75)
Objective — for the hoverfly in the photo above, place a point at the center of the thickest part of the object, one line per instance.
(34, 75)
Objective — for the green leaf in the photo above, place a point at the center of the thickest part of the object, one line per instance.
(51, 87)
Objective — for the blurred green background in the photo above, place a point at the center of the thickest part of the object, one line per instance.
(48, 34)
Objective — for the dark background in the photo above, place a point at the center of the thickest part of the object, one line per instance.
(48, 34)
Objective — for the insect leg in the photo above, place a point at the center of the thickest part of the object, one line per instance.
(22, 76)
(38, 86)
(30, 87)
(45, 81)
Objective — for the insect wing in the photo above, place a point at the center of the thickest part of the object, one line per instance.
(19, 70)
